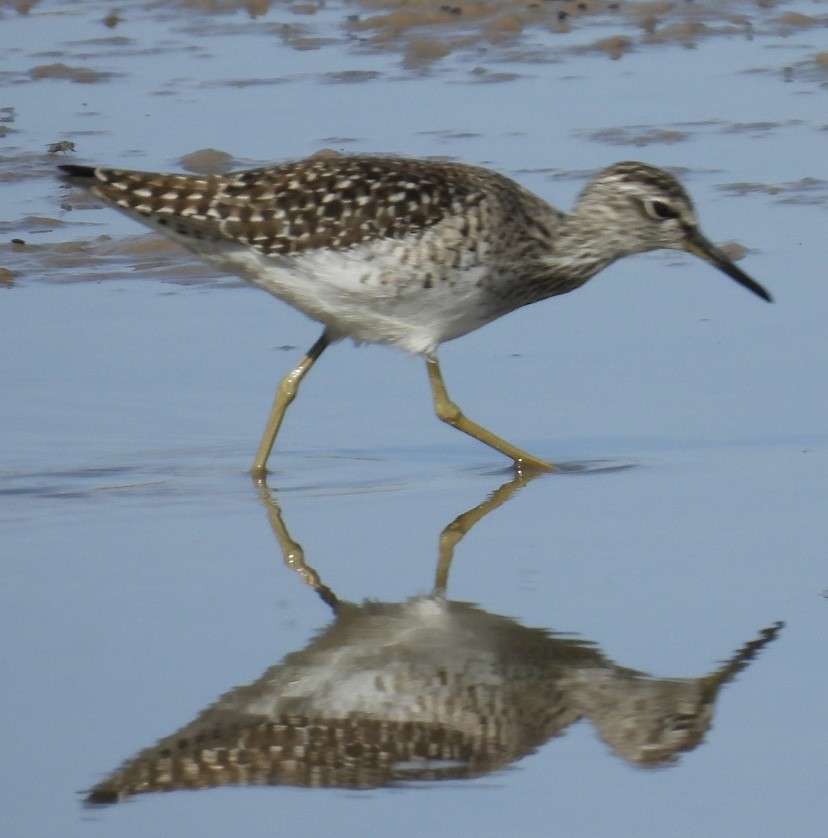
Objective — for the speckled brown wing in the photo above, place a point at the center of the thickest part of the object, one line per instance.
(321, 202)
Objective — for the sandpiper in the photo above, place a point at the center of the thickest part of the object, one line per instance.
(406, 252)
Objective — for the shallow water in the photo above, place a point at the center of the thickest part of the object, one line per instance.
(143, 577)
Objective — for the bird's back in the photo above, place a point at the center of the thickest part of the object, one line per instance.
(324, 201)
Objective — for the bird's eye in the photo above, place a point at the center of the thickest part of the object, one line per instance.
(660, 210)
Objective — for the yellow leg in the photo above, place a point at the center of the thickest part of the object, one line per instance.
(448, 411)
(285, 394)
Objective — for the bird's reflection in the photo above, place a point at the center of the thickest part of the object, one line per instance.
(426, 690)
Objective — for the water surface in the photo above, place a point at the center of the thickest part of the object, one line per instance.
(143, 578)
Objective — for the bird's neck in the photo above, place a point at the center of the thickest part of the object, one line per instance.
(579, 250)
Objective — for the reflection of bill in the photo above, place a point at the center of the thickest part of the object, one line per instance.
(426, 689)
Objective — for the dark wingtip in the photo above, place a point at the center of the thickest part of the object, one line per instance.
(73, 170)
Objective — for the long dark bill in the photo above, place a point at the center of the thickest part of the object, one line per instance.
(699, 246)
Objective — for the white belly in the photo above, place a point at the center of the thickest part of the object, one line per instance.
(376, 294)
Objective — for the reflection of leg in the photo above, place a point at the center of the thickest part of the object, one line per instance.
(292, 553)
(448, 411)
(285, 394)
(294, 556)
(451, 536)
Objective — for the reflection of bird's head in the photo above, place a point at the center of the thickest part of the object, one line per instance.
(645, 721)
